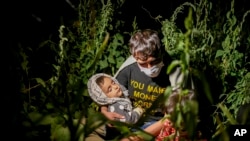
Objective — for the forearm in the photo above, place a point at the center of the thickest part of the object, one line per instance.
(104, 109)
(105, 112)
(155, 128)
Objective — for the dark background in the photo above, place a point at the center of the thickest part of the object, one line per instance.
(31, 21)
(27, 23)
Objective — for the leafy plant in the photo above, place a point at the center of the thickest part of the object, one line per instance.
(215, 45)
(61, 101)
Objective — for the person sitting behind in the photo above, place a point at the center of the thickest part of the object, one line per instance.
(106, 90)
(168, 128)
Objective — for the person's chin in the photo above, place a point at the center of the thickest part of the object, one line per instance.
(120, 94)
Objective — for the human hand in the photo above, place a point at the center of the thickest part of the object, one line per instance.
(139, 110)
(132, 138)
(112, 115)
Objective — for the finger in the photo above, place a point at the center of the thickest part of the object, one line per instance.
(110, 125)
(134, 138)
(118, 116)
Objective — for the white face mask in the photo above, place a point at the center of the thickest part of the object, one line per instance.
(153, 71)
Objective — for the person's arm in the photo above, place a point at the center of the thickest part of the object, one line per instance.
(130, 116)
(155, 128)
(110, 115)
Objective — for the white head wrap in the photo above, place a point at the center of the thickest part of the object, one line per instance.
(96, 93)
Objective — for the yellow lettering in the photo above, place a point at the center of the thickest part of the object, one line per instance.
(136, 94)
(153, 97)
(158, 90)
(162, 90)
(147, 104)
(136, 84)
(150, 88)
(144, 96)
(143, 104)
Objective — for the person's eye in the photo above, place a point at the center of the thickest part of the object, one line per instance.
(144, 65)
(110, 89)
(155, 62)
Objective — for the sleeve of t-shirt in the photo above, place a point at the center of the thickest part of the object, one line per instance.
(123, 77)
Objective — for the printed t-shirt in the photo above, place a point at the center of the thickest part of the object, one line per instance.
(143, 90)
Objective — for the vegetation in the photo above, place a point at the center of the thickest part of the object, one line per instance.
(213, 48)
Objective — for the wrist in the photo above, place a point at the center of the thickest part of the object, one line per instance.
(104, 112)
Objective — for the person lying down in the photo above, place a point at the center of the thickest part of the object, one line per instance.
(106, 90)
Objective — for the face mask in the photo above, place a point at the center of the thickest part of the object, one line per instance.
(153, 71)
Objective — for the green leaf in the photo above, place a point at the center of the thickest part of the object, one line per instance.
(146, 136)
(173, 65)
(227, 113)
(119, 61)
(103, 64)
(111, 59)
(49, 106)
(40, 81)
(187, 59)
(41, 119)
(60, 133)
(219, 53)
(94, 120)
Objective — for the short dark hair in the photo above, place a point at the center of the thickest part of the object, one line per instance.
(100, 80)
(175, 97)
(146, 42)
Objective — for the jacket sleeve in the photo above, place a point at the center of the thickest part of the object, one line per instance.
(130, 116)
(176, 78)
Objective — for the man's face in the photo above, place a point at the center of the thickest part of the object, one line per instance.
(110, 88)
(146, 61)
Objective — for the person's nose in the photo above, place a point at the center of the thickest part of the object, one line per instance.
(115, 86)
(149, 65)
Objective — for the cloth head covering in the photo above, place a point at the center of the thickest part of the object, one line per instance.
(96, 93)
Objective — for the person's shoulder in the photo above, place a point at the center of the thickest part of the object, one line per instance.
(131, 67)
(130, 61)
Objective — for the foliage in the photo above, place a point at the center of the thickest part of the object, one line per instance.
(187, 113)
(85, 48)
(211, 42)
(215, 44)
